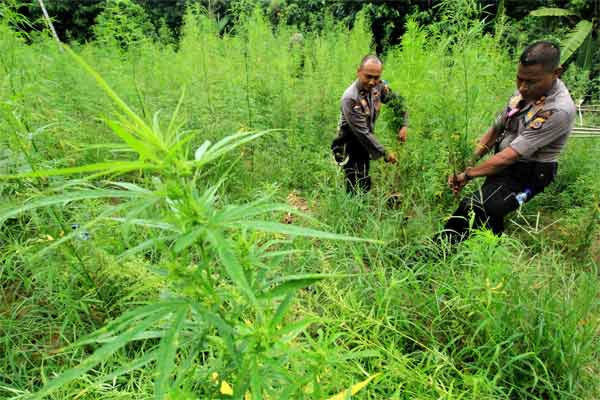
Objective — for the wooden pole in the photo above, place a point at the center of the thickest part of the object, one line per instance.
(49, 22)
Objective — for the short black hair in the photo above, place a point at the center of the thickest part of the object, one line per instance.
(369, 57)
(544, 53)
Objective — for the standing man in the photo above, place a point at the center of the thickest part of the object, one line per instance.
(356, 144)
(527, 138)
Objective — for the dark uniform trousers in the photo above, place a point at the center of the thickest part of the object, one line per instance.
(356, 166)
(497, 198)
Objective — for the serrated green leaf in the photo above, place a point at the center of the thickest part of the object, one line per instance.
(291, 285)
(170, 128)
(145, 245)
(233, 213)
(226, 145)
(147, 223)
(12, 210)
(224, 328)
(256, 382)
(143, 360)
(100, 355)
(185, 241)
(167, 351)
(231, 264)
(105, 168)
(201, 150)
(289, 332)
(115, 327)
(144, 151)
(281, 310)
(288, 229)
(156, 124)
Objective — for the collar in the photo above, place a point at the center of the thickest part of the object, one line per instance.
(554, 89)
(516, 100)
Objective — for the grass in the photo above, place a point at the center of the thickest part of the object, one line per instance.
(187, 273)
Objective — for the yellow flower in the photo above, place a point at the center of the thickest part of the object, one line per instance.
(225, 388)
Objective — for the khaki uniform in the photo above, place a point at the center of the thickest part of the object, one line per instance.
(356, 143)
(538, 132)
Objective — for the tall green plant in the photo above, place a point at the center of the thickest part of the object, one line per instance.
(226, 294)
(123, 23)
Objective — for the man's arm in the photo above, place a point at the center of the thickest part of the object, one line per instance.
(489, 167)
(494, 164)
(357, 120)
(485, 143)
(542, 131)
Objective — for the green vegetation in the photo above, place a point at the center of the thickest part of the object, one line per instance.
(144, 186)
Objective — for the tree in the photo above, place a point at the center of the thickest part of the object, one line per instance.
(72, 19)
(579, 40)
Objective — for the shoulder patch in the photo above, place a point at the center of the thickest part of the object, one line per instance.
(537, 123)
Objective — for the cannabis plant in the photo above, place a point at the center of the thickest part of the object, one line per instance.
(223, 317)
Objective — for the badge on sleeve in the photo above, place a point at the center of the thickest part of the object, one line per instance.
(540, 118)
(537, 123)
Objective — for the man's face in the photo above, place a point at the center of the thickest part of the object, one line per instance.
(370, 74)
(533, 81)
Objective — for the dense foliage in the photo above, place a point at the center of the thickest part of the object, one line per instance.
(163, 20)
(144, 182)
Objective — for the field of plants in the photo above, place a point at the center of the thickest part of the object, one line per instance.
(173, 225)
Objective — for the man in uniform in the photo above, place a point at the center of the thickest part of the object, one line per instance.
(527, 137)
(356, 144)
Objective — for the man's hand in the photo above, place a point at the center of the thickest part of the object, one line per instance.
(390, 158)
(402, 134)
(457, 182)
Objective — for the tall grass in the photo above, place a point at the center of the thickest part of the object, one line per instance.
(141, 250)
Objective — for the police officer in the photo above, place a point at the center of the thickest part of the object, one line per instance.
(527, 138)
(356, 144)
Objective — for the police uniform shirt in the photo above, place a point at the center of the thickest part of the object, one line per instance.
(537, 130)
(359, 111)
